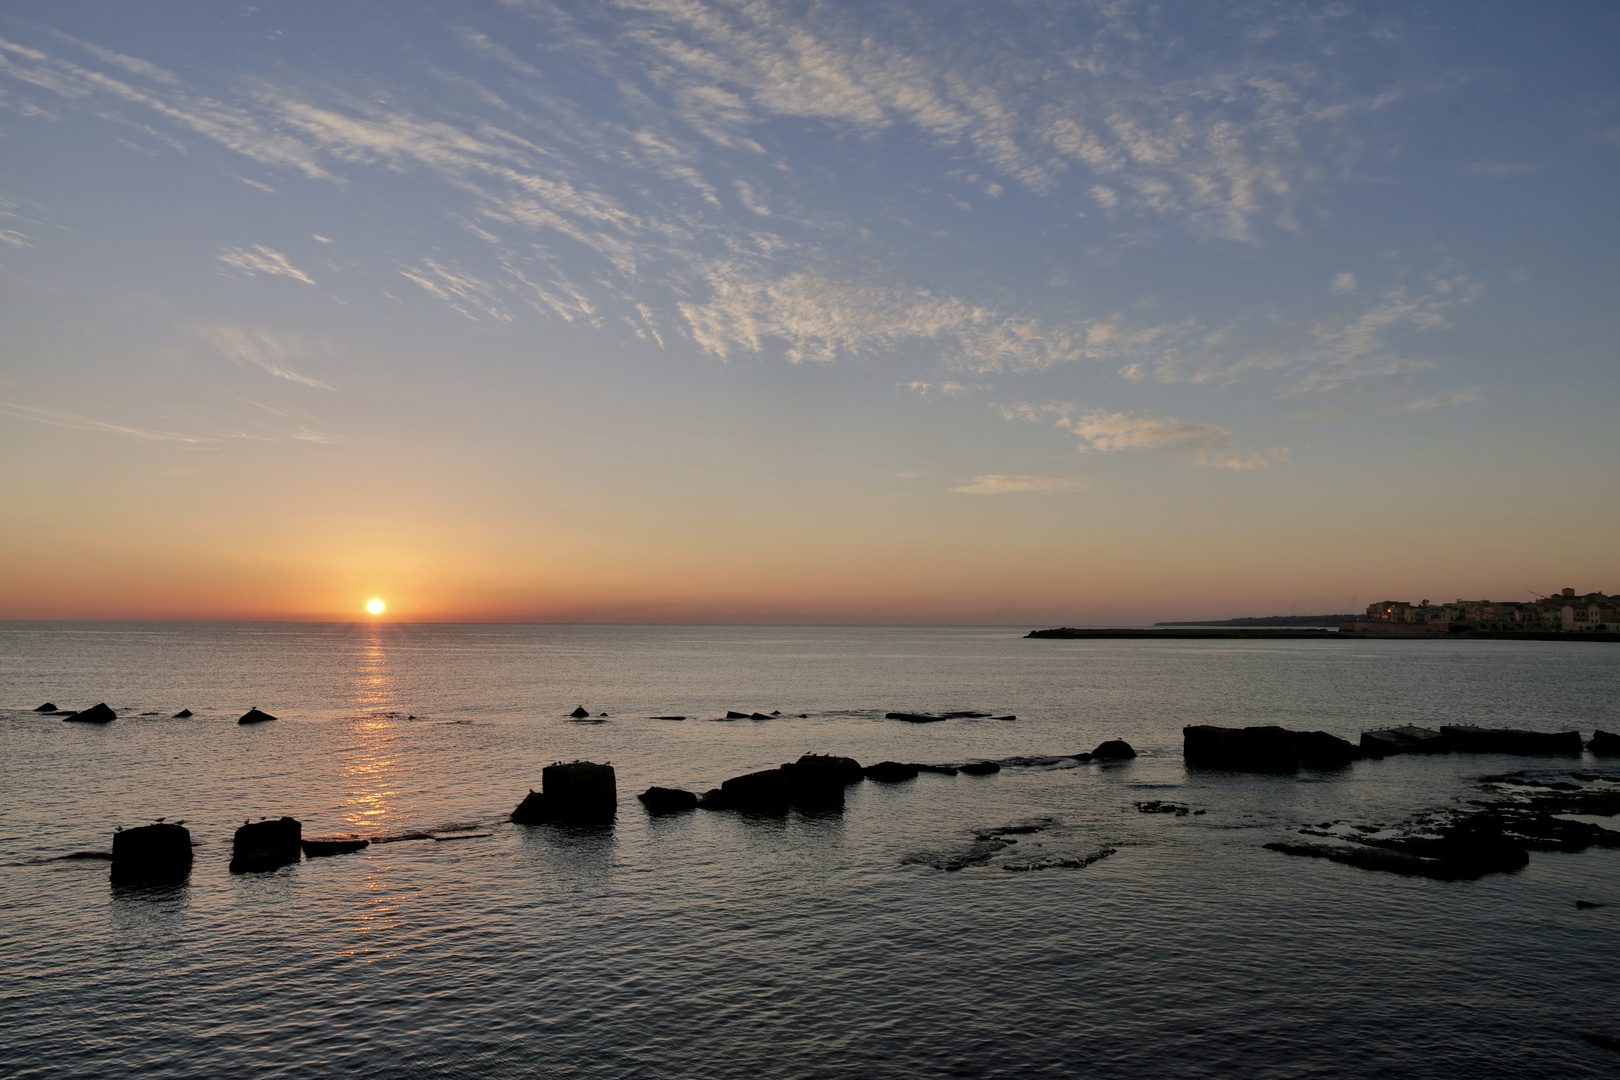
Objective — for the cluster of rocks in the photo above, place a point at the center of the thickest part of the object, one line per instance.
(161, 853)
(1278, 749)
(1492, 836)
(102, 714)
(989, 845)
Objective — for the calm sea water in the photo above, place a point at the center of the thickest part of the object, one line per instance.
(717, 945)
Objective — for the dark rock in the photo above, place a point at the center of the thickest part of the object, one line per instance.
(965, 715)
(151, 853)
(817, 785)
(1114, 750)
(1009, 716)
(1465, 850)
(713, 799)
(890, 772)
(776, 712)
(95, 714)
(1475, 740)
(913, 718)
(1081, 757)
(733, 714)
(667, 718)
(1607, 1042)
(1587, 905)
(254, 716)
(842, 770)
(979, 768)
(663, 800)
(758, 716)
(578, 791)
(1263, 749)
(762, 792)
(49, 706)
(1154, 806)
(320, 846)
(182, 714)
(1604, 744)
(943, 770)
(265, 845)
(580, 712)
(1387, 742)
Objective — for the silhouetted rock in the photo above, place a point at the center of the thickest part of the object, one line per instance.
(1464, 851)
(1081, 757)
(151, 853)
(95, 714)
(943, 770)
(762, 792)
(758, 716)
(254, 716)
(890, 772)
(316, 847)
(1587, 905)
(1476, 740)
(1114, 750)
(1155, 806)
(967, 715)
(913, 718)
(1607, 1042)
(666, 718)
(1263, 749)
(732, 714)
(49, 706)
(979, 768)
(817, 785)
(182, 714)
(713, 799)
(1009, 716)
(580, 712)
(843, 770)
(1604, 744)
(1387, 742)
(265, 845)
(576, 791)
(663, 800)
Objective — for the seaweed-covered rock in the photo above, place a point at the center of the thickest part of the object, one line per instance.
(890, 772)
(663, 800)
(1114, 750)
(254, 716)
(1387, 742)
(155, 854)
(1263, 749)
(265, 845)
(1604, 744)
(1477, 740)
(95, 714)
(575, 791)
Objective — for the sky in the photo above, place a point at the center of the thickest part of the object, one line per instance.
(731, 310)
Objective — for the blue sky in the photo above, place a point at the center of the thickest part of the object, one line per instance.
(683, 309)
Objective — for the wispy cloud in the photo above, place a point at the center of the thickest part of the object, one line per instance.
(1465, 396)
(1013, 483)
(262, 260)
(1101, 431)
(76, 422)
(267, 351)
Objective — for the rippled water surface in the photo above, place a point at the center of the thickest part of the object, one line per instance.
(719, 945)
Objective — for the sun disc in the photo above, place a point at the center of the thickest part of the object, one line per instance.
(376, 607)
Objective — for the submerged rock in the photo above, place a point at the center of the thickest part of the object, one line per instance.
(1476, 740)
(1263, 749)
(95, 714)
(578, 791)
(663, 800)
(254, 716)
(1387, 742)
(979, 768)
(265, 845)
(890, 772)
(1114, 750)
(913, 718)
(1155, 806)
(943, 770)
(181, 715)
(151, 853)
(580, 712)
(1604, 744)
(666, 718)
(316, 847)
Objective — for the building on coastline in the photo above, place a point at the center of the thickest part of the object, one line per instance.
(1567, 612)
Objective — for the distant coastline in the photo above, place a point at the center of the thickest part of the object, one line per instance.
(1205, 630)
(1327, 621)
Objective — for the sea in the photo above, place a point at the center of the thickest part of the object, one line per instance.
(892, 939)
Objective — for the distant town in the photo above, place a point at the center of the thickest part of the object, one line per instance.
(1567, 612)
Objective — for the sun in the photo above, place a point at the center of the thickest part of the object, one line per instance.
(376, 606)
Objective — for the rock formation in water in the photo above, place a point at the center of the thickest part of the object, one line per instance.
(95, 714)
(943, 770)
(577, 791)
(265, 845)
(1475, 740)
(816, 784)
(978, 768)
(733, 714)
(254, 716)
(49, 706)
(914, 718)
(155, 854)
(1264, 749)
(580, 712)
(316, 847)
(1387, 742)
(842, 770)
(1604, 744)
(181, 715)
(890, 772)
(1114, 750)
(663, 800)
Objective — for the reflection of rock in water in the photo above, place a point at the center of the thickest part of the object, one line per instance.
(1001, 847)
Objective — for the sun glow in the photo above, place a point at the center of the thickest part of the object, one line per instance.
(375, 606)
